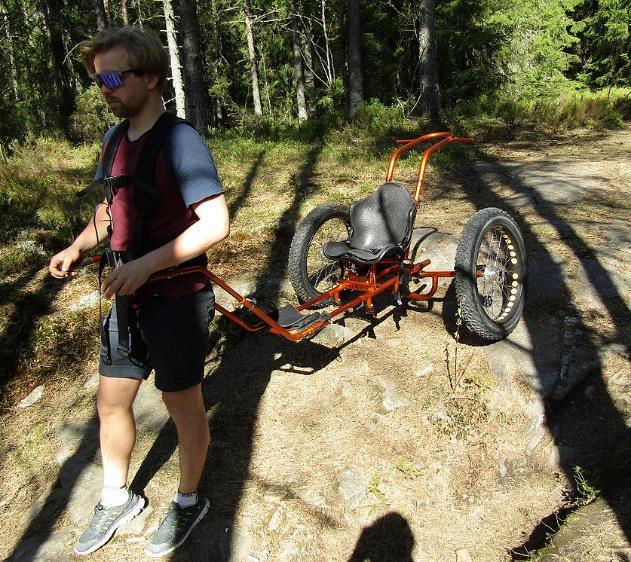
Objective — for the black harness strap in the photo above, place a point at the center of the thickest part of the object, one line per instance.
(107, 161)
(144, 194)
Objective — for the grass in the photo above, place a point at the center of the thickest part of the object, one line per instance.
(443, 446)
(572, 109)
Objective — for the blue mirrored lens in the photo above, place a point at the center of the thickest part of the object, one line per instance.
(109, 79)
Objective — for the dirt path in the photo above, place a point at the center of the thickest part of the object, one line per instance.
(390, 441)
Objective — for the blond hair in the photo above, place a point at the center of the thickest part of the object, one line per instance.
(145, 52)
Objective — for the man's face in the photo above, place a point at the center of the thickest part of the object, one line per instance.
(128, 99)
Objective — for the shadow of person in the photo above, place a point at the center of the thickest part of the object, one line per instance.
(388, 539)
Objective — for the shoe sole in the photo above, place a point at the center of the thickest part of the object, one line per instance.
(201, 515)
(140, 505)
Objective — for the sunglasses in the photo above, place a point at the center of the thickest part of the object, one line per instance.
(114, 79)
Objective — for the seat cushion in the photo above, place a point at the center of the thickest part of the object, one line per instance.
(381, 223)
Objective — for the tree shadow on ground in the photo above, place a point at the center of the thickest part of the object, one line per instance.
(16, 336)
(42, 525)
(234, 391)
(599, 443)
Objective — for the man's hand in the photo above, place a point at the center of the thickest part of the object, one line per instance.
(126, 279)
(60, 266)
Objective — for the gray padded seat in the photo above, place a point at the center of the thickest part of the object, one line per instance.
(382, 224)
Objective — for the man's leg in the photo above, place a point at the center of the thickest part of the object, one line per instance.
(118, 437)
(118, 427)
(186, 407)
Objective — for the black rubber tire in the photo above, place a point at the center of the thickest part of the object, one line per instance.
(310, 272)
(492, 304)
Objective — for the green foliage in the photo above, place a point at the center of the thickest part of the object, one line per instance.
(37, 193)
(587, 491)
(571, 108)
(92, 117)
(604, 54)
(522, 51)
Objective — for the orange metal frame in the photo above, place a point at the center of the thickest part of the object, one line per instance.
(385, 276)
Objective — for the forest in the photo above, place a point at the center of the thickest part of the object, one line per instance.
(306, 66)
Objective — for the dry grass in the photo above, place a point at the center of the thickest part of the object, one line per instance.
(454, 460)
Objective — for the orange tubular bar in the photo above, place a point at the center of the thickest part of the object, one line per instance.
(446, 137)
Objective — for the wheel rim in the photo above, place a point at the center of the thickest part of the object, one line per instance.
(500, 274)
(323, 273)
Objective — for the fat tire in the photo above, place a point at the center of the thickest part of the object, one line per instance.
(512, 275)
(302, 243)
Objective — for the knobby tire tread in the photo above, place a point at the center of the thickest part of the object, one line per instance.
(475, 319)
(299, 249)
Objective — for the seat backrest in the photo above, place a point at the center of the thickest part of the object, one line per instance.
(383, 219)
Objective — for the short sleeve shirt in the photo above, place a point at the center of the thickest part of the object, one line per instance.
(185, 175)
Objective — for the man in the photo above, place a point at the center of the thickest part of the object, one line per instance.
(167, 320)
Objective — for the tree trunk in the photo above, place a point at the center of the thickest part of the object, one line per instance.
(299, 75)
(355, 78)
(53, 11)
(101, 15)
(330, 69)
(108, 18)
(13, 74)
(256, 96)
(343, 50)
(174, 55)
(429, 100)
(138, 13)
(124, 14)
(196, 98)
(305, 50)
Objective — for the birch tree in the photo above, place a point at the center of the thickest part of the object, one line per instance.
(249, 34)
(174, 56)
(299, 75)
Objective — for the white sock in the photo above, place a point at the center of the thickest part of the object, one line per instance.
(113, 496)
(186, 500)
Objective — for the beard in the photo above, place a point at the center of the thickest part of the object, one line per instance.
(121, 109)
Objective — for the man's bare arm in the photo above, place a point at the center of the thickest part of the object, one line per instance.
(212, 227)
(94, 233)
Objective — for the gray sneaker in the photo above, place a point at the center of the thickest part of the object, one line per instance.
(176, 527)
(105, 522)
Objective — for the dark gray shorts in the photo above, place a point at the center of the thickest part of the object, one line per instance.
(173, 342)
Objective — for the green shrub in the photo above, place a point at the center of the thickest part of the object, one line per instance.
(92, 116)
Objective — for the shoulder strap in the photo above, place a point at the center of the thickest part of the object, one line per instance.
(144, 180)
(146, 168)
(107, 161)
(112, 146)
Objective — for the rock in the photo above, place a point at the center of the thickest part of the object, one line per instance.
(310, 497)
(590, 392)
(55, 548)
(78, 441)
(462, 555)
(334, 335)
(347, 390)
(425, 370)
(391, 398)
(352, 487)
(87, 301)
(275, 521)
(32, 398)
(218, 540)
(92, 382)
(84, 490)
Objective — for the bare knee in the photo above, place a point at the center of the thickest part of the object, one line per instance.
(187, 400)
(116, 396)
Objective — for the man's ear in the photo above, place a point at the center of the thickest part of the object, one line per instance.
(151, 80)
